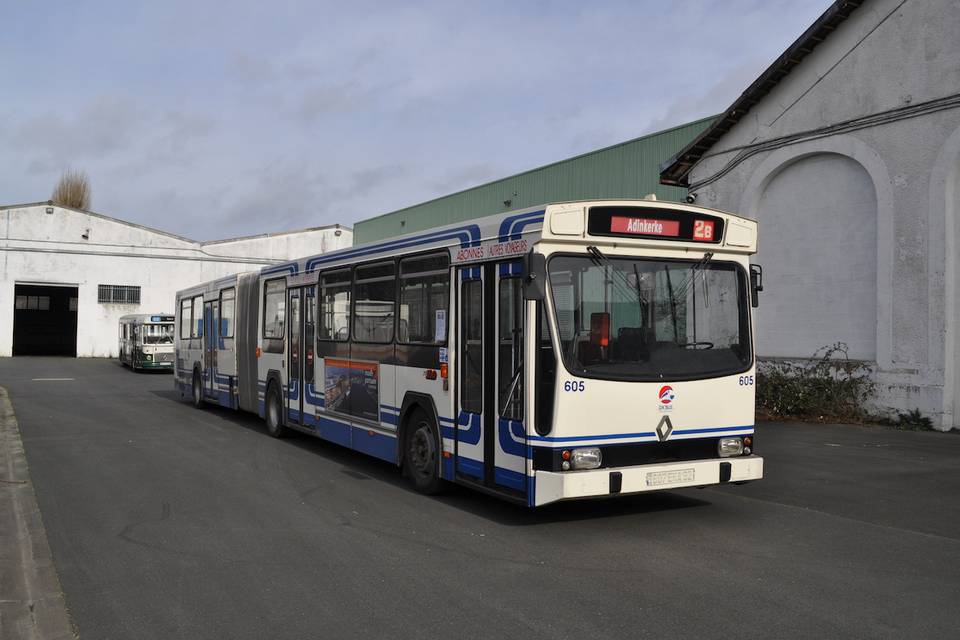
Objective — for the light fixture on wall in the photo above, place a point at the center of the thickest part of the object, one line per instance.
(86, 235)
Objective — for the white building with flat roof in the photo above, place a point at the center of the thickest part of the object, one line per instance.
(67, 275)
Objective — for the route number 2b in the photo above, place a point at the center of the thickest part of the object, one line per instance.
(703, 230)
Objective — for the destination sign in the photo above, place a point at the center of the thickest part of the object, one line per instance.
(644, 226)
(658, 223)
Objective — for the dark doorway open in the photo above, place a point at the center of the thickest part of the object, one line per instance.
(44, 320)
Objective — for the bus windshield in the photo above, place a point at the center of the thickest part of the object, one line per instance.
(158, 333)
(650, 319)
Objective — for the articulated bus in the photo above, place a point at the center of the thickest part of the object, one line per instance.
(146, 341)
(573, 350)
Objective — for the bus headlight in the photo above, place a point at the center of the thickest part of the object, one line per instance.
(585, 458)
(148, 356)
(729, 447)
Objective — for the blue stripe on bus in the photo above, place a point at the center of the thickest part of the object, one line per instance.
(470, 467)
(611, 436)
(375, 444)
(313, 398)
(511, 227)
(507, 430)
(470, 435)
(712, 430)
(468, 235)
(334, 431)
(469, 273)
(510, 478)
(292, 267)
(644, 434)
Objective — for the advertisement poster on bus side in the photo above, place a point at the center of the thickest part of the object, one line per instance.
(351, 387)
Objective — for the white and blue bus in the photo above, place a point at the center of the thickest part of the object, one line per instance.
(573, 350)
(146, 341)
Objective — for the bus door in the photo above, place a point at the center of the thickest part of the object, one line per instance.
(469, 445)
(295, 356)
(300, 357)
(211, 317)
(490, 445)
(510, 448)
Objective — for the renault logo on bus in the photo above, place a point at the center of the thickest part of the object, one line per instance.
(664, 429)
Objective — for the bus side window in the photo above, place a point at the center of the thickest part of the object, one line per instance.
(424, 293)
(334, 320)
(185, 320)
(274, 309)
(374, 298)
(227, 304)
(196, 330)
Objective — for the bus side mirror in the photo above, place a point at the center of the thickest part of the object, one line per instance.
(756, 284)
(534, 276)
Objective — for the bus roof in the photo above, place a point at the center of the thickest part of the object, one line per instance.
(508, 234)
(501, 228)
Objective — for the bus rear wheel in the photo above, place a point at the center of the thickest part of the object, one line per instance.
(197, 391)
(421, 453)
(274, 413)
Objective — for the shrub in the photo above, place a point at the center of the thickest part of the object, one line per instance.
(829, 385)
(72, 190)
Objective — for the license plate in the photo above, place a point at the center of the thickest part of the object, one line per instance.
(675, 476)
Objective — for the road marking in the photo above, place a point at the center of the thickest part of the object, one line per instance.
(52, 379)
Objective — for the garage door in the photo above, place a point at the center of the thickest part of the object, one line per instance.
(45, 321)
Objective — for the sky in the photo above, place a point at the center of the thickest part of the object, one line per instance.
(214, 120)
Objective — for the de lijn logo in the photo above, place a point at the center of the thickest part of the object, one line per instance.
(666, 397)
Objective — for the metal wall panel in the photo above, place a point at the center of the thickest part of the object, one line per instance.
(627, 170)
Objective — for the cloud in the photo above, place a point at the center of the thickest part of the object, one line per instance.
(296, 114)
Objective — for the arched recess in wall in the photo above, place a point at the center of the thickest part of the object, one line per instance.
(826, 222)
(944, 246)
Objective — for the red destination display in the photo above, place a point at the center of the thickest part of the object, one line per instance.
(644, 226)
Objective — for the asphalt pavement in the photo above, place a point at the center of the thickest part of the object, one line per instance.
(166, 521)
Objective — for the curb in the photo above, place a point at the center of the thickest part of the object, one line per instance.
(32, 604)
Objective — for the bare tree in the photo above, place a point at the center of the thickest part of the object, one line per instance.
(72, 190)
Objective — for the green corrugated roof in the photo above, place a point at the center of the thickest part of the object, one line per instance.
(627, 170)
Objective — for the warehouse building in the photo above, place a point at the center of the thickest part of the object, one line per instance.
(847, 150)
(626, 170)
(68, 275)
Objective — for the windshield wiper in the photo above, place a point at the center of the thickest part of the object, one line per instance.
(596, 256)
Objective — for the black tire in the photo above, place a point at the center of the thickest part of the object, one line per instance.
(421, 459)
(273, 412)
(197, 389)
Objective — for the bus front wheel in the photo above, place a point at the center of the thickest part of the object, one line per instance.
(421, 454)
(274, 413)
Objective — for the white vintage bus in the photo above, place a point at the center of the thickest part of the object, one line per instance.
(146, 341)
(574, 350)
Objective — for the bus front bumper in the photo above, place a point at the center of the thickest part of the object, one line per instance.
(552, 486)
(148, 364)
